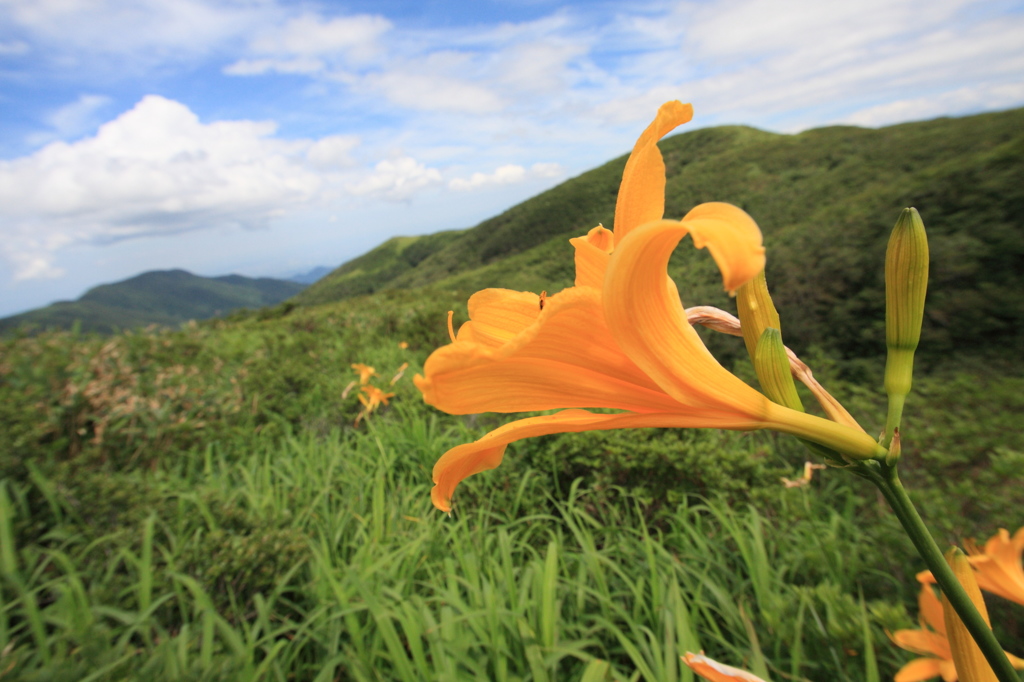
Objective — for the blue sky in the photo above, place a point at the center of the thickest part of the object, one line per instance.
(267, 137)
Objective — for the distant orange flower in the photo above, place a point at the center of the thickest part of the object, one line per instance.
(618, 339)
(710, 669)
(403, 344)
(374, 397)
(998, 567)
(364, 371)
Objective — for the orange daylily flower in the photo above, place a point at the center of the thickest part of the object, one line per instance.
(712, 670)
(998, 568)
(932, 642)
(364, 372)
(374, 397)
(371, 401)
(618, 339)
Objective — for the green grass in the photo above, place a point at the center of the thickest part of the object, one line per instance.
(233, 524)
(386, 588)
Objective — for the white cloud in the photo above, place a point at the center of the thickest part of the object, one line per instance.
(396, 179)
(791, 64)
(749, 31)
(547, 170)
(477, 71)
(508, 174)
(503, 175)
(258, 67)
(425, 90)
(154, 170)
(304, 45)
(538, 67)
(71, 120)
(333, 152)
(576, 85)
(310, 34)
(952, 102)
(162, 30)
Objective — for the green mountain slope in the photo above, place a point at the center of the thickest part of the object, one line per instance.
(825, 199)
(163, 297)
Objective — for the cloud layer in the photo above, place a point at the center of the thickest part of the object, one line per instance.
(144, 118)
(154, 170)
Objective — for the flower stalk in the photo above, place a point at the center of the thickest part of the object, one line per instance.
(887, 479)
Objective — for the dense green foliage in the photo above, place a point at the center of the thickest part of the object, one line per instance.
(200, 504)
(365, 274)
(161, 297)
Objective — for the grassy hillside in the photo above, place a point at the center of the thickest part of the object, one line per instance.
(197, 504)
(376, 268)
(825, 200)
(162, 297)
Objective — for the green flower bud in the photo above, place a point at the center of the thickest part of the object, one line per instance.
(756, 311)
(772, 366)
(906, 281)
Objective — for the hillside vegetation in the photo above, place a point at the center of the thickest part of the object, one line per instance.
(212, 502)
(162, 297)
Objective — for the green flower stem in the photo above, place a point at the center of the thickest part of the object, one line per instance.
(893, 418)
(888, 481)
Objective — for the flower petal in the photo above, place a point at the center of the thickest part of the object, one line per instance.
(923, 642)
(498, 315)
(732, 238)
(919, 669)
(644, 312)
(487, 452)
(592, 253)
(549, 365)
(998, 569)
(930, 610)
(1003, 574)
(712, 670)
(641, 196)
(647, 319)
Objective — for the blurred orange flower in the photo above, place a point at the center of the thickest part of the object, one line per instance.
(364, 372)
(998, 567)
(932, 642)
(374, 397)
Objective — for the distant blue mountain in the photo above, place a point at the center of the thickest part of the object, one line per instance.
(312, 276)
(163, 297)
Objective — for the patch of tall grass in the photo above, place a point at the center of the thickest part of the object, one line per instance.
(273, 540)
